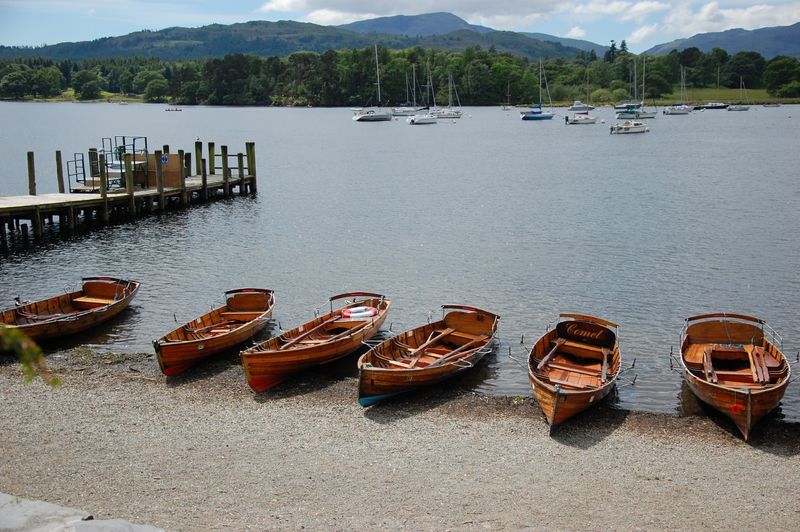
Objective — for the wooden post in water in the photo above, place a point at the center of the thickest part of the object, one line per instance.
(187, 159)
(226, 185)
(250, 148)
(240, 161)
(166, 148)
(59, 172)
(212, 161)
(104, 216)
(162, 198)
(129, 185)
(184, 195)
(204, 189)
(31, 175)
(37, 223)
(3, 237)
(198, 155)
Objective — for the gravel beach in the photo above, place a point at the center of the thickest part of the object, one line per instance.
(202, 452)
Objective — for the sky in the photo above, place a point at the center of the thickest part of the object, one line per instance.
(642, 24)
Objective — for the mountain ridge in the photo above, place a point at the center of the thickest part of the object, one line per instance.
(769, 42)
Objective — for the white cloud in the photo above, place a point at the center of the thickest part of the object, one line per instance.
(710, 16)
(327, 17)
(575, 32)
(641, 33)
(641, 10)
(595, 8)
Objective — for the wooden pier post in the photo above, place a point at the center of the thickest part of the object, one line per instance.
(240, 161)
(162, 198)
(198, 155)
(204, 178)
(166, 148)
(226, 185)
(31, 175)
(129, 185)
(250, 149)
(3, 237)
(104, 216)
(37, 223)
(212, 161)
(59, 172)
(187, 160)
(24, 229)
(181, 162)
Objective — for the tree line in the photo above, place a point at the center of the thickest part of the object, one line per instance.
(347, 77)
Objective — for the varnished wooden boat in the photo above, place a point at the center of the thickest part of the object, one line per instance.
(426, 355)
(574, 366)
(245, 313)
(732, 363)
(98, 300)
(321, 340)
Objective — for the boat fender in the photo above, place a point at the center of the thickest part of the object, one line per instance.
(360, 312)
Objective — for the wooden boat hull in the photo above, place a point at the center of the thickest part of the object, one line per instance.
(245, 314)
(567, 378)
(380, 379)
(99, 300)
(271, 362)
(730, 364)
(743, 408)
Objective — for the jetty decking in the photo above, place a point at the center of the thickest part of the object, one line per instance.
(145, 183)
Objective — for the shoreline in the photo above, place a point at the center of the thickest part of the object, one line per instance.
(201, 451)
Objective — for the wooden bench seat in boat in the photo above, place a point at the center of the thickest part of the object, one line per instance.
(580, 383)
(580, 349)
(86, 302)
(240, 315)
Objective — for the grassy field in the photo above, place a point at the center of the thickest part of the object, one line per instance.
(69, 96)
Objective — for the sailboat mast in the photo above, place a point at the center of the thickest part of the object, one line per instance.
(635, 84)
(644, 69)
(414, 85)
(378, 75)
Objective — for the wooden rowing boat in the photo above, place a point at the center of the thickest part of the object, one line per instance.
(427, 354)
(321, 340)
(574, 366)
(730, 364)
(245, 313)
(98, 300)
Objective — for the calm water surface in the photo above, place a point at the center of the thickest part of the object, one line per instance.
(525, 219)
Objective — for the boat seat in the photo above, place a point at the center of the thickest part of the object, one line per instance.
(569, 383)
(86, 302)
(575, 369)
(399, 364)
(240, 315)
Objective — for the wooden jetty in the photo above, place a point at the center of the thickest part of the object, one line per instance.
(136, 184)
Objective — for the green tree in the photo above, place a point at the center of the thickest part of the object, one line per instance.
(15, 84)
(90, 90)
(790, 90)
(143, 78)
(28, 353)
(611, 54)
(780, 71)
(156, 91)
(46, 82)
(749, 66)
(83, 76)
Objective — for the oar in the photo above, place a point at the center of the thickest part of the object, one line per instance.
(461, 349)
(313, 329)
(552, 352)
(419, 350)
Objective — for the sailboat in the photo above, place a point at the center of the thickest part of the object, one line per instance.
(638, 111)
(507, 105)
(449, 111)
(535, 112)
(374, 114)
(680, 108)
(742, 97)
(405, 109)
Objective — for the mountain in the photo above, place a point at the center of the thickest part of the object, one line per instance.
(414, 25)
(278, 39)
(769, 42)
(443, 23)
(586, 46)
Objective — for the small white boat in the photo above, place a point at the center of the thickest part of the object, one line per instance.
(421, 119)
(446, 113)
(677, 109)
(743, 98)
(372, 115)
(404, 111)
(629, 126)
(635, 113)
(580, 119)
(738, 108)
(579, 106)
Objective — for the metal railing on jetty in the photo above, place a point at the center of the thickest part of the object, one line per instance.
(124, 181)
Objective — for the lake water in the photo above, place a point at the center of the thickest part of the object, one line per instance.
(526, 219)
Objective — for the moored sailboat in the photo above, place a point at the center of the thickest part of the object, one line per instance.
(375, 114)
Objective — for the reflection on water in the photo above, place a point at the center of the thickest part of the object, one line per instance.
(523, 219)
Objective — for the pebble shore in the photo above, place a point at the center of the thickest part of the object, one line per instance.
(202, 452)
